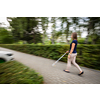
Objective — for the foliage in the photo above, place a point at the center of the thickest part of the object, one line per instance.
(5, 37)
(88, 55)
(39, 43)
(47, 41)
(81, 40)
(19, 42)
(94, 38)
(65, 20)
(15, 73)
(57, 34)
(32, 43)
(25, 28)
(44, 24)
(93, 28)
(53, 28)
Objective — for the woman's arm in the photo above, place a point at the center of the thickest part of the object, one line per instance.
(72, 48)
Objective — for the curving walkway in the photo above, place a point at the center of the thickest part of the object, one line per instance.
(55, 74)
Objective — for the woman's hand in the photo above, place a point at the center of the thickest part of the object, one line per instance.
(69, 56)
(67, 51)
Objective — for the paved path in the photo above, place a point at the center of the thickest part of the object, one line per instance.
(55, 75)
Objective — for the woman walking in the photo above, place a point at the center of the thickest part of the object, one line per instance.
(72, 55)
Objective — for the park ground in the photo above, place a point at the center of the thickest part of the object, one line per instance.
(55, 74)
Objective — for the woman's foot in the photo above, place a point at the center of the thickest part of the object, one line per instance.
(66, 71)
(81, 73)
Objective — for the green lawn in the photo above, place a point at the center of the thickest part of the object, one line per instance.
(16, 73)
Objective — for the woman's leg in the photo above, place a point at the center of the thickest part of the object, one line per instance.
(68, 64)
(74, 63)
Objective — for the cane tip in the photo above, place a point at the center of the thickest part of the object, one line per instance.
(53, 65)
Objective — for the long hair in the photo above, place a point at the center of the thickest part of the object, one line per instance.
(74, 35)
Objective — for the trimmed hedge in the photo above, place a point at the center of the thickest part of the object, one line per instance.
(16, 73)
(88, 55)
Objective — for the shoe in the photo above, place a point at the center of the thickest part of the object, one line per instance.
(81, 73)
(66, 71)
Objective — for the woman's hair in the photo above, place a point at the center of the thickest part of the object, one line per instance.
(74, 35)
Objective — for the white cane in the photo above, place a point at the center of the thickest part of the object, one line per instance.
(59, 58)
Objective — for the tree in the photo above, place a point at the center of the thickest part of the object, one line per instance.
(5, 37)
(66, 21)
(93, 28)
(75, 20)
(53, 21)
(44, 24)
(25, 28)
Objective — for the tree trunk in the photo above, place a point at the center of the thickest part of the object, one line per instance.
(86, 40)
(93, 39)
(79, 32)
(75, 28)
(43, 38)
(34, 38)
(67, 31)
(52, 39)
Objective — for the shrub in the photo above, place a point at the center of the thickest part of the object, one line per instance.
(81, 40)
(88, 55)
(15, 73)
(39, 43)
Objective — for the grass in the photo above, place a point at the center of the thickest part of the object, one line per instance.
(13, 72)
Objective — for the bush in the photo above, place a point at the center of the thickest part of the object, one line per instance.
(5, 37)
(81, 40)
(15, 73)
(39, 43)
(7, 40)
(88, 55)
(32, 43)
